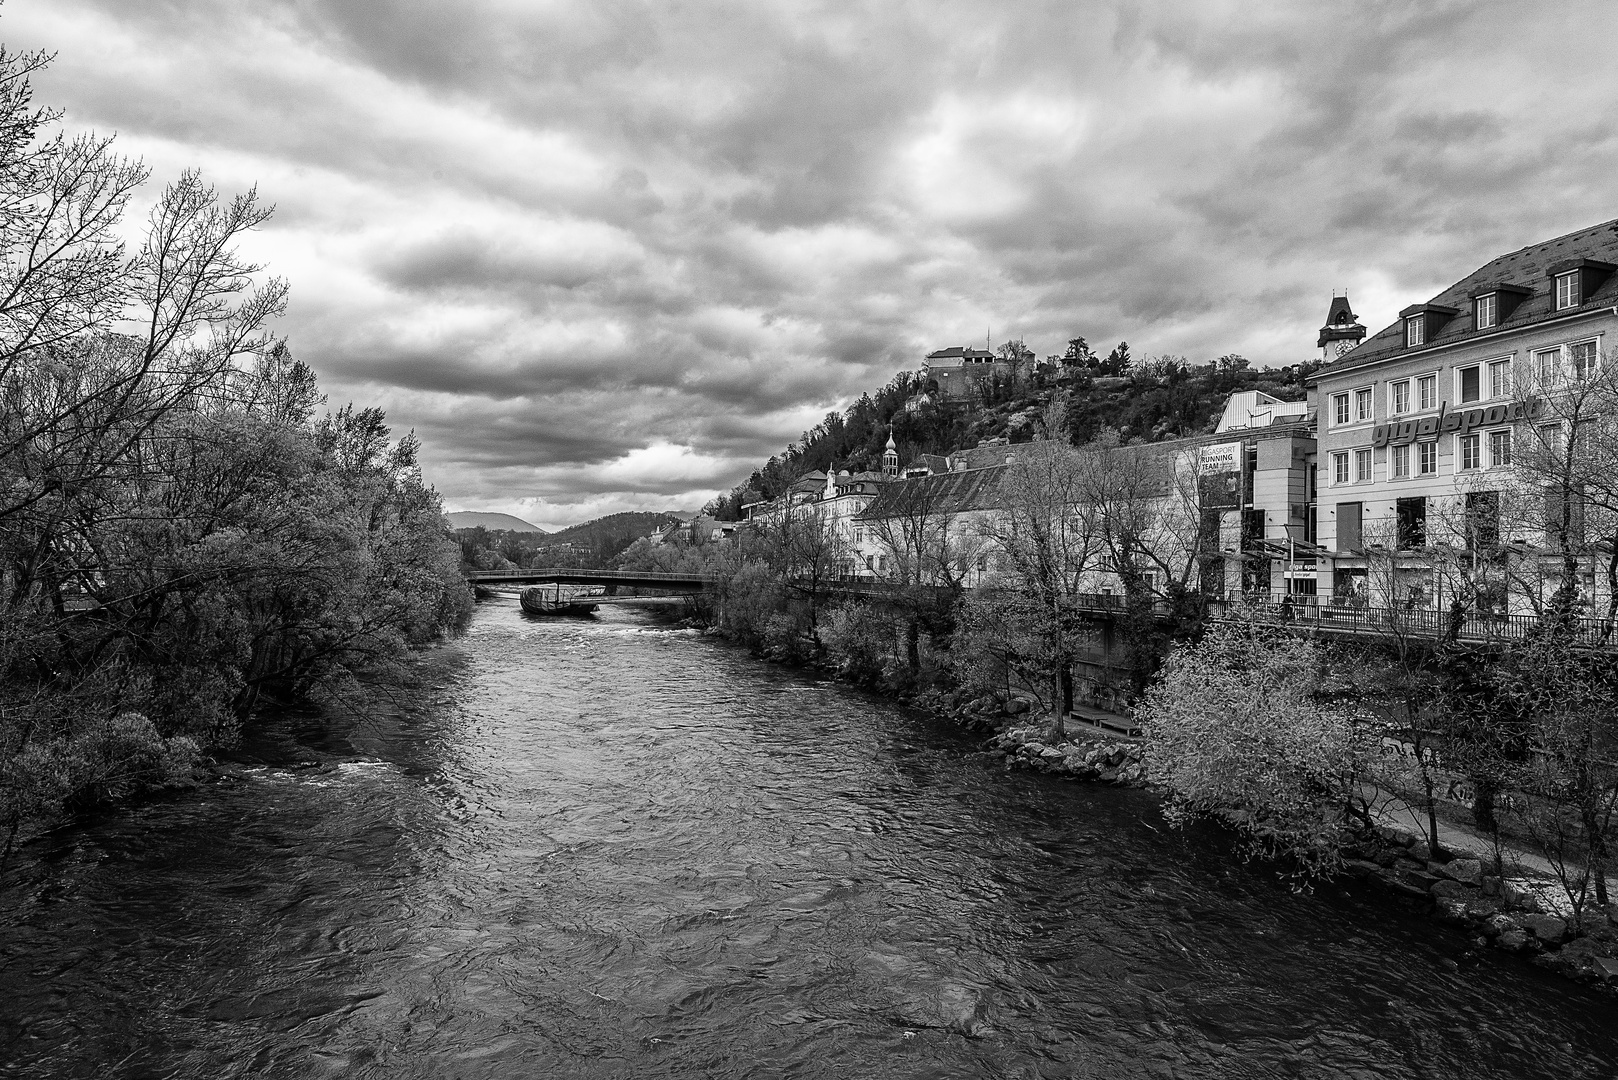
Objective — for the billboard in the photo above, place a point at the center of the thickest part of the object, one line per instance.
(1225, 457)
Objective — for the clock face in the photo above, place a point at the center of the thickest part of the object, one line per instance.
(1343, 346)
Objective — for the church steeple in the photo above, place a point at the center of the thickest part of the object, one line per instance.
(1342, 331)
(890, 457)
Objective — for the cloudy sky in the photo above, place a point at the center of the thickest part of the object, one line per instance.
(610, 255)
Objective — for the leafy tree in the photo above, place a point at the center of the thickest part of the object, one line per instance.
(1237, 724)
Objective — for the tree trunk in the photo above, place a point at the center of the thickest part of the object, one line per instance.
(1058, 729)
(913, 645)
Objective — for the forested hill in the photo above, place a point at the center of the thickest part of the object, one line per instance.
(1158, 398)
(592, 544)
(614, 529)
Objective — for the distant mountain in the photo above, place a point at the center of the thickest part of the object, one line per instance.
(471, 519)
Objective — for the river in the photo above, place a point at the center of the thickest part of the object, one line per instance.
(611, 848)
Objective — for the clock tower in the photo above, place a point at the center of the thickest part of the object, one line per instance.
(1342, 331)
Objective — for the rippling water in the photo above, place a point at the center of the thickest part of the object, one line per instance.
(612, 849)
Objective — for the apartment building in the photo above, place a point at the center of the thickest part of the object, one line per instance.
(1418, 425)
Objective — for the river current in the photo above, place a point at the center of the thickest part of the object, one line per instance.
(611, 848)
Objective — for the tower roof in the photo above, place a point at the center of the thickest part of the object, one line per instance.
(1341, 323)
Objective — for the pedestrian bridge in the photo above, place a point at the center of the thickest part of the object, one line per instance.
(612, 579)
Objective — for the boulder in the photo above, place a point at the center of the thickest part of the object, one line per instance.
(1518, 898)
(1547, 928)
(1451, 910)
(1453, 890)
(1491, 885)
(1513, 940)
(1359, 869)
(1466, 871)
(1398, 837)
(1051, 753)
(1495, 925)
(1420, 850)
(1016, 706)
(1416, 879)
(1607, 968)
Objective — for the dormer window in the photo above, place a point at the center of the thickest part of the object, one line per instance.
(1576, 280)
(1494, 301)
(1567, 290)
(1424, 321)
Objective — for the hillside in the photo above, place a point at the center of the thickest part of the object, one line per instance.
(1155, 399)
(471, 519)
(614, 530)
(591, 544)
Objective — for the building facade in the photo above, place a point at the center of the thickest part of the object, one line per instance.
(1421, 497)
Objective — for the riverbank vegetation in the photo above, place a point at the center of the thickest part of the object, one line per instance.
(184, 533)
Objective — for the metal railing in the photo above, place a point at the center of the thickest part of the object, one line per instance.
(1421, 622)
(579, 576)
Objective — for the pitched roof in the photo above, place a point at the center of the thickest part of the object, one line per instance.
(1340, 313)
(1527, 268)
(945, 493)
(960, 352)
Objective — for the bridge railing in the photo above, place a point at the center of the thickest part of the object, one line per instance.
(566, 573)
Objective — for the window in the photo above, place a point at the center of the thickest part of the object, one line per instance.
(1500, 378)
(1550, 437)
(1581, 359)
(1482, 520)
(1469, 384)
(1401, 462)
(1411, 515)
(1349, 518)
(1427, 458)
(1427, 392)
(1485, 311)
(1339, 408)
(1469, 449)
(983, 562)
(1362, 466)
(1339, 468)
(1362, 404)
(1401, 397)
(1415, 331)
(1546, 361)
(1567, 290)
(1499, 449)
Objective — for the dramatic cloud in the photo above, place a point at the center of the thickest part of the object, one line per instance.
(612, 255)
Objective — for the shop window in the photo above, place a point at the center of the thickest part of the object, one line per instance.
(1482, 520)
(1412, 520)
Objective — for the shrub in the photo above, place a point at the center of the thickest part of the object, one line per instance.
(860, 641)
(1236, 723)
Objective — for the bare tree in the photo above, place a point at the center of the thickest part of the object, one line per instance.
(1047, 537)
